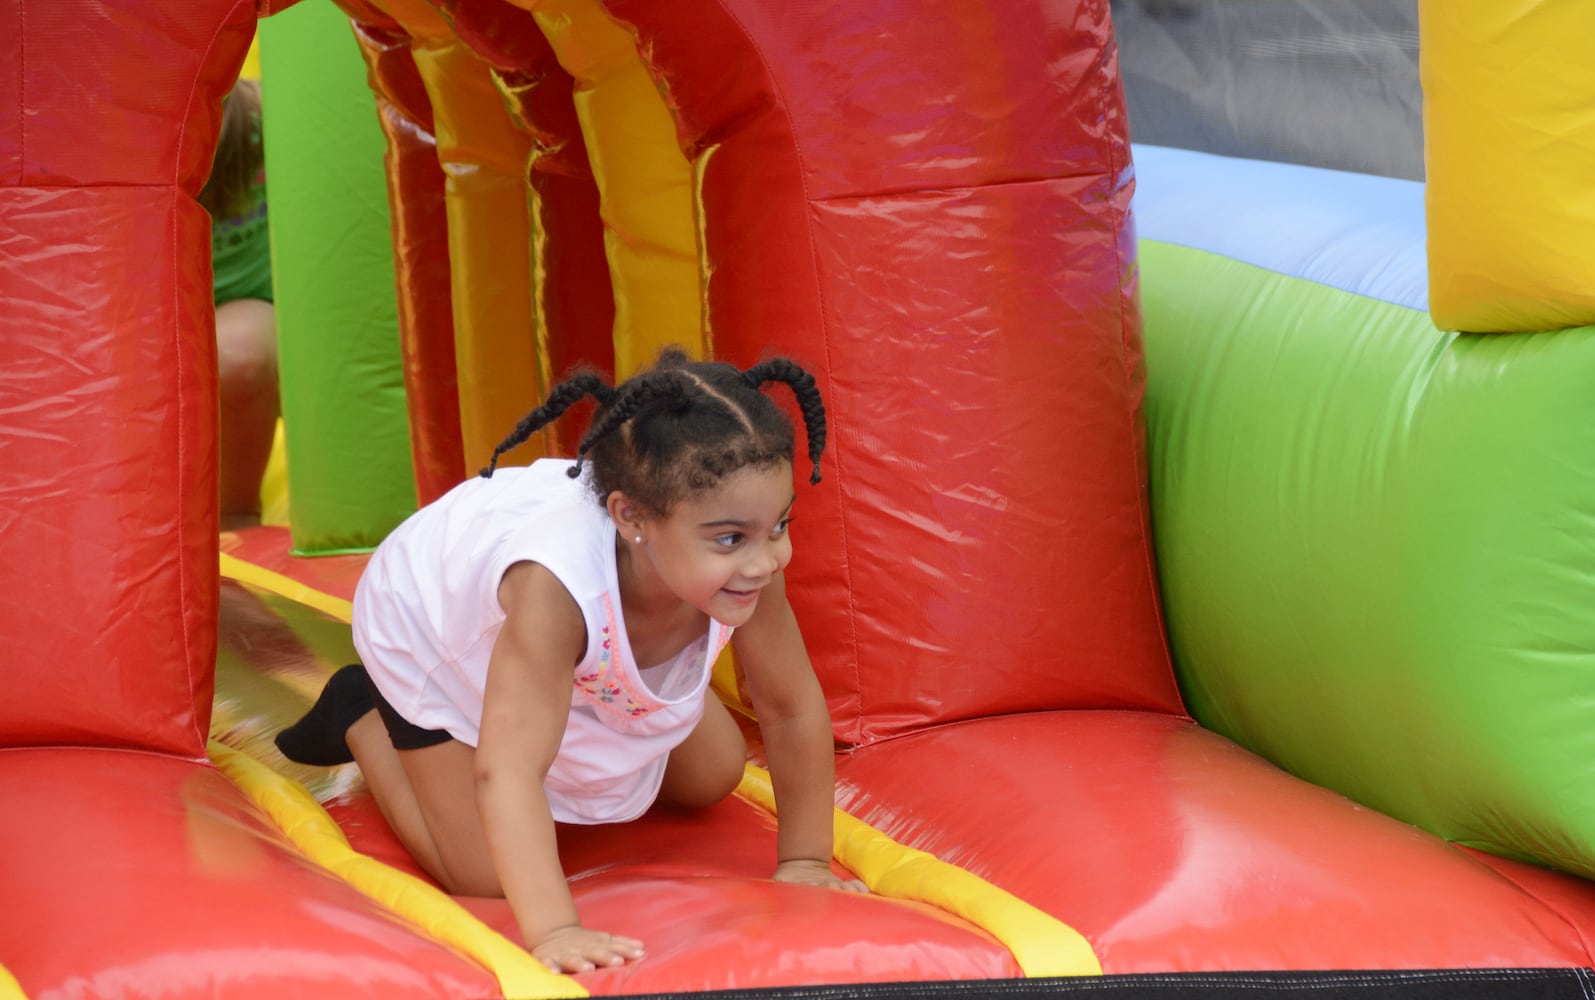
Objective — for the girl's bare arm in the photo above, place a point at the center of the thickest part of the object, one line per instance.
(796, 726)
(524, 713)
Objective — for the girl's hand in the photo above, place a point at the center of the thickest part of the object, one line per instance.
(806, 871)
(574, 948)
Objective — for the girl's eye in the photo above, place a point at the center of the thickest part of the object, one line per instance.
(728, 541)
(781, 526)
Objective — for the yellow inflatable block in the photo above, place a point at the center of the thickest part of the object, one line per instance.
(1509, 132)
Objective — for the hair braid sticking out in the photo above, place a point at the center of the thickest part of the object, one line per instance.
(631, 397)
(561, 398)
(808, 399)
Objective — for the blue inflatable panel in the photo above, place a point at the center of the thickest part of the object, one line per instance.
(1355, 232)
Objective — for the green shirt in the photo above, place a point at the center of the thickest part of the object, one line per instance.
(240, 250)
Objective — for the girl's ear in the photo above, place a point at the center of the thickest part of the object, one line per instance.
(626, 514)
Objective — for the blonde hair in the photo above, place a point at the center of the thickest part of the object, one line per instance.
(239, 153)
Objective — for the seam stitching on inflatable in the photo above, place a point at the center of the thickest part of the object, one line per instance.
(1140, 471)
(200, 714)
(857, 725)
(22, 93)
(1524, 890)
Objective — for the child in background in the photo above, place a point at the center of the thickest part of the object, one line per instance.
(537, 644)
(246, 320)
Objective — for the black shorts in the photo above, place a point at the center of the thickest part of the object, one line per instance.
(404, 734)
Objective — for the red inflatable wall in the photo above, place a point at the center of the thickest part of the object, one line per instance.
(108, 369)
(950, 202)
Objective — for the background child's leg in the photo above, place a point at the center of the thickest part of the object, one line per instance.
(246, 355)
(707, 766)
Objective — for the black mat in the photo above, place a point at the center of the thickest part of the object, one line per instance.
(1444, 984)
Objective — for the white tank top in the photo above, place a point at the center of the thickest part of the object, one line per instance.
(426, 614)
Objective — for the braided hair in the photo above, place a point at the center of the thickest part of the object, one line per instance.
(681, 427)
(561, 398)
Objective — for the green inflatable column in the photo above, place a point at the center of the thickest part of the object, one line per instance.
(350, 477)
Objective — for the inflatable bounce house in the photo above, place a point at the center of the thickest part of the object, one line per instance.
(1202, 581)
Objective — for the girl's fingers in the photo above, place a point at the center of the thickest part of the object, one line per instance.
(585, 951)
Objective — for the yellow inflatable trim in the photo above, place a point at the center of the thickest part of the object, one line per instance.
(315, 834)
(10, 989)
(234, 568)
(1043, 945)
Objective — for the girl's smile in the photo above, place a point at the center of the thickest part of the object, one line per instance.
(717, 551)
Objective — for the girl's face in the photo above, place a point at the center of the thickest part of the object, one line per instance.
(718, 551)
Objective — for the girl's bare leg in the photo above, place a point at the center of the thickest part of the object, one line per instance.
(428, 797)
(707, 766)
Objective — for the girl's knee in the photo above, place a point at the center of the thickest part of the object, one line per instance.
(728, 777)
(473, 878)
(722, 780)
(702, 781)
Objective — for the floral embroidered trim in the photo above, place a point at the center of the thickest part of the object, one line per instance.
(722, 635)
(608, 685)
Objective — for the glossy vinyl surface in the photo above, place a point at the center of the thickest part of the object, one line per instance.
(69, 101)
(130, 873)
(1507, 134)
(500, 373)
(695, 888)
(1355, 232)
(573, 301)
(108, 370)
(928, 204)
(273, 657)
(694, 885)
(1172, 849)
(98, 569)
(948, 247)
(645, 184)
(1375, 546)
(270, 548)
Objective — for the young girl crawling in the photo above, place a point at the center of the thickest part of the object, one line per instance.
(537, 644)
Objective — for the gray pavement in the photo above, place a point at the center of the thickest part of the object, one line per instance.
(1331, 83)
